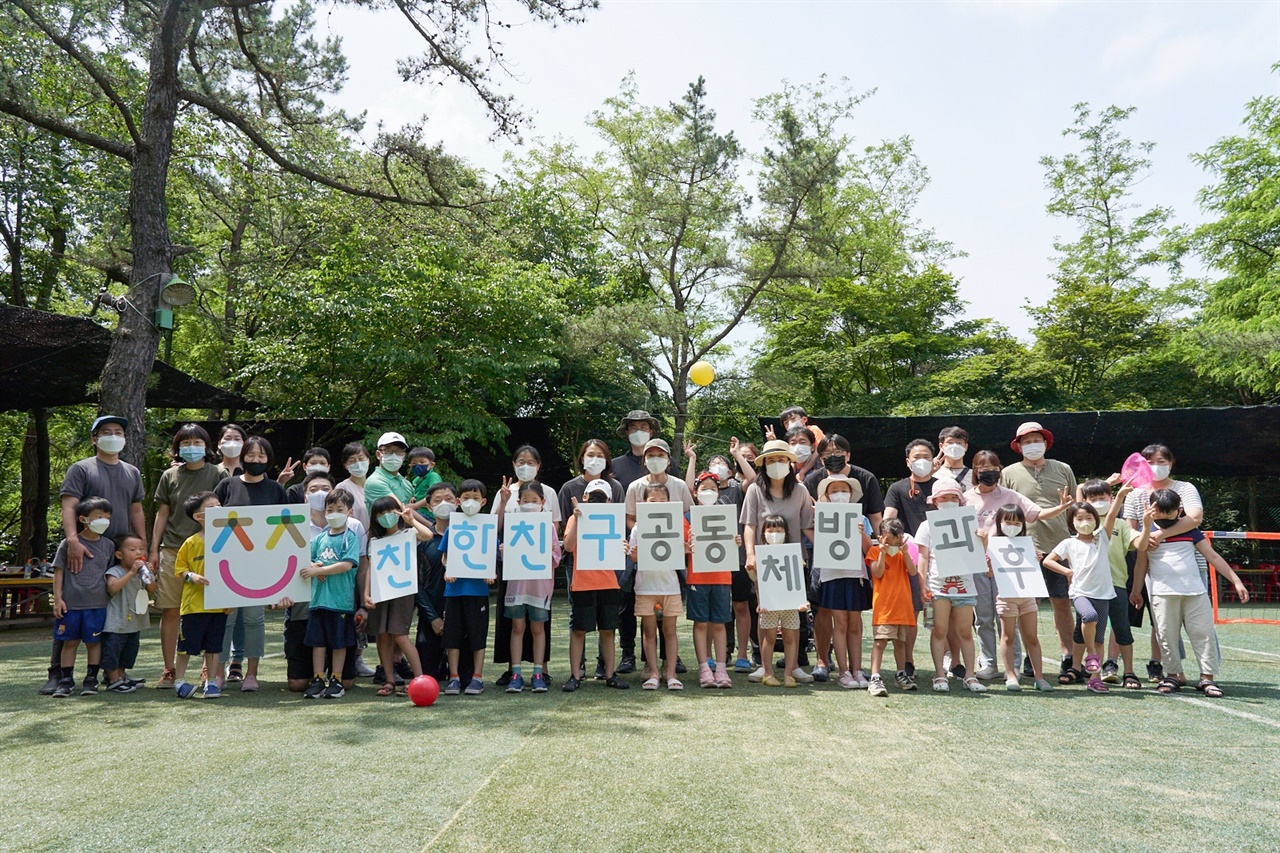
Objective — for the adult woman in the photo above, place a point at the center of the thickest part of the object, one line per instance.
(251, 487)
(230, 447)
(192, 446)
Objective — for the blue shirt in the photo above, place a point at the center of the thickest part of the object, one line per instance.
(462, 586)
(335, 592)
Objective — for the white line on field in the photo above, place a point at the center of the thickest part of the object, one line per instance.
(1145, 633)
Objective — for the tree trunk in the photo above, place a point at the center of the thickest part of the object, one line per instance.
(680, 396)
(33, 540)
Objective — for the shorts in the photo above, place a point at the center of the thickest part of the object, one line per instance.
(466, 622)
(742, 589)
(526, 611)
(330, 629)
(201, 633)
(647, 604)
(1057, 584)
(393, 617)
(849, 594)
(710, 603)
(890, 632)
(297, 654)
(168, 584)
(119, 651)
(1118, 614)
(83, 625)
(958, 600)
(1016, 607)
(917, 597)
(788, 620)
(594, 610)
(1135, 613)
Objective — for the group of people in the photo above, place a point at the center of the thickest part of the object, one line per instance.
(1109, 553)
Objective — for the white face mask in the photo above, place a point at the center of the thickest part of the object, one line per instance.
(1085, 527)
(444, 509)
(111, 443)
(317, 468)
(98, 525)
(775, 537)
(1103, 507)
(1034, 452)
(802, 451)
(525, 473)
(593, 465)
(391, 462)
(531, 507)
(838, 497)
(470, 506)
(335, 519)
(721, 472)
(922, 468)
(947, 505)
(656, 464)
(706, 497)
(316, 500)
(892, 550)
(1160, 472)
(639, 438)
(358, 469)
(954, 452)
(777, 470)
(231, 448)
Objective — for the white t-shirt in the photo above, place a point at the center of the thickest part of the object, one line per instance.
(1139, 499)
(1172, 568)
(653, 583)
(548, 495)
(1090, 568)
(956, 586)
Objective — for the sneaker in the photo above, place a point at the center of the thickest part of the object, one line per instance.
(515, 685)
(740, 665)
(570, 684)
(136, 682)
(600, 674)
(681, 669)
(770, 681)
(780, 663)
(1111, 672)
(335, 690)
(89, 686)
(847, 681)
(800, 675)
(628, 665)
(212, 691)
(1027, 670)
(316, 690)
(249, 684)
(453, 688)
(860, 681)
(362, 668)
(958, 672)
(166, 681)
(1012, 685)
(901, 678)
(404, 672)
(875, 687)
(821, 673)
(906, 682)
(757, 676)
(379, 677)
(505, 679)
(64, 689)
(616, 683)
(539, 683)
(234, 673)
(184, 689)
(51, 686)
(986, 673)
(122, 685)
(909, 668)
(706, 678)
(475, 688)
(723, 682)
(1043, 686)
(1155, 671)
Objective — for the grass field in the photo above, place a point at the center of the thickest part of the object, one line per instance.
(750, 768)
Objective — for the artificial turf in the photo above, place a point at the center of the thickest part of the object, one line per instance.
(816, 768)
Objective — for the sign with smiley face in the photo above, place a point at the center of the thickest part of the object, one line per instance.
(393, 566)
(253, 554)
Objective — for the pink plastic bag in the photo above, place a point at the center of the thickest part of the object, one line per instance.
(1136, 471)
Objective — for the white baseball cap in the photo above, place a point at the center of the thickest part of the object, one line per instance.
(392, 438)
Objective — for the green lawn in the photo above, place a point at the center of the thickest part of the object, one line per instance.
(816, 768)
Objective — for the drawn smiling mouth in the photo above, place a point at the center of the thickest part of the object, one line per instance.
(224, 568)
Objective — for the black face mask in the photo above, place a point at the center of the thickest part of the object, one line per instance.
(988, 478)
(835, 462)
(1164, 523)
(254, 469)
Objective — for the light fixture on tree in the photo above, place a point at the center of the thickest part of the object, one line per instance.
(174, 293)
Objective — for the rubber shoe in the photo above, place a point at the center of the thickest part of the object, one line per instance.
(212, 691)
(1012, 685)
(770, 681)
(757, 676)
(742, 665)
(1155, 671)
(249, 684)
(570, 684)
(315, 690)
(801, 676)
(681, 669)
(335, 690)
(600, 674)
(475, 688)
(89, 686)
(616, 683)
(820, 673)
(453, 687)
(184, 689)
(515, 685)
(539, 683)
(875, 687)
(847, 681)
(65, 688)
(723, 682)
(706, 678)
(1044, 686)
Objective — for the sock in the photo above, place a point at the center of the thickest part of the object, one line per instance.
(93, 670)
(68, 671)
(515, 670)
(319, 675)
(537, 670)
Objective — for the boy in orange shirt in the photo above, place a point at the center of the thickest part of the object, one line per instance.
(892, 613)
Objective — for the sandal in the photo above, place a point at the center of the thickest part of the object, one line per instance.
(1168, 685)
(650, 684)
(1091, 664)
(1097, 685)
(387, 689)
(1071, 675)
(974, 685)
(674, 684)
(1209, 688)
(940, 685)
(1131, 682)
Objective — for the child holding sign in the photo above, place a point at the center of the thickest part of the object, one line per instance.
(527, 603)
(892, 613)
(776, 531)
(658, 599)
(953, 597)
(711, 602)
(392, 618)
(466, 601)
(1018, 616)
(200, 630)
(842, 599)
(331, 625)
(595, 597)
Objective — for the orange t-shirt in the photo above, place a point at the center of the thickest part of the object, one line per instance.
(704, 578)
(891, 594)
(588, 581)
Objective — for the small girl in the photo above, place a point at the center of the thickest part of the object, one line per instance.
(657, 596)
(776, 532)
(843, 599)
(1089, 574)
(711, 603)
(527, 603)
(392, 618)
(953, 598)
(1022, 614)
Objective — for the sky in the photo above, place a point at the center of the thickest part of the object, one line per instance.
(983, 88)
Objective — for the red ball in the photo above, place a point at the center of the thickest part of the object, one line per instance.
(423, 690)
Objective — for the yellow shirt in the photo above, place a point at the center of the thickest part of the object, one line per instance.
(191, 559)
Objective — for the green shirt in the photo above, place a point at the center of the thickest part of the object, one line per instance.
(176, 484)
(1118, 544)
(1043, 487)
(380, 484)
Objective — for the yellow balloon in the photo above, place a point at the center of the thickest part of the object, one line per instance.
(702, 373)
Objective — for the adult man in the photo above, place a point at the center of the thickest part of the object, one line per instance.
(387, 479)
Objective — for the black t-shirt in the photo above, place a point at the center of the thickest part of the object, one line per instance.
(575, 488)
(911, 508)
(872, 497)
(234, 491)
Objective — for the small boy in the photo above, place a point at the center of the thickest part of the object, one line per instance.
(892, 613)
(126, 612)
(466, 605)
(201, 629)
(1179, 600)
(335, 554)
(430, 597)
(80, 598)
(314, 461)
(422, 476)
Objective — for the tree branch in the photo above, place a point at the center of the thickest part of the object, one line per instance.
(65, 129)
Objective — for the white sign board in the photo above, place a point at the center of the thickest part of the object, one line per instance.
(602, 541)
(780, 576)
(954, 542)
(837, 545)
(527, 540)
(253, 554)
(660, 531)
(393, 566)
(473, 546)
(715, 530)
(1017, 571)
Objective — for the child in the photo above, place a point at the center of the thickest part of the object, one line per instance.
(657, 598)
(892, 612)
(80, 598)
(331, 623)
(1089, 576)
(430, 598)
(527, 603)
(953, 599)
(710, 604)
(1122, 539)
(595, 597)
(200, 630)
(1018, 616)
(422, 476)
(392, 618)
(466, 607)
(776, 531)
(125, 617)
(843, 599)
(1179, 600)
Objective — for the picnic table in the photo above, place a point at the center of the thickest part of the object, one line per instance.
(22, 598)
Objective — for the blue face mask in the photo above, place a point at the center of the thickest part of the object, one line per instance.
(420, 470)
(191, 454)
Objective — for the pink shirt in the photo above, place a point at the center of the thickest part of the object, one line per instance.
(988, 505)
